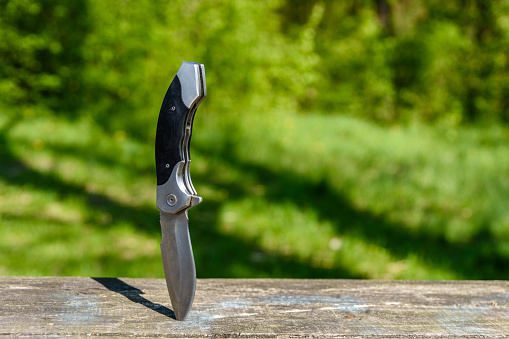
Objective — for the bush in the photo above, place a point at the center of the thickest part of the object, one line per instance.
(388, 61)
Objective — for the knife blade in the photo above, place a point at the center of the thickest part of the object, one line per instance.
(175, 191)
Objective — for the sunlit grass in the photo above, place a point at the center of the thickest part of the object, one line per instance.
(413, 202)
(422, 177)
(288, 230)
(284, 196)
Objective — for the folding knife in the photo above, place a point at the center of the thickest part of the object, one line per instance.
(175, 191)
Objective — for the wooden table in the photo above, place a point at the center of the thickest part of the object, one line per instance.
(260, 308)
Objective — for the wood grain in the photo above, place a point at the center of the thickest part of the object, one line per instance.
(258, 308)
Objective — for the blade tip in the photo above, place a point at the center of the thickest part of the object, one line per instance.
(181, 315)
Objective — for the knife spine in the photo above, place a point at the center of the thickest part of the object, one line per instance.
(199, 78)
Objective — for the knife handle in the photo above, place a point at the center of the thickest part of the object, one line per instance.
(170, 132)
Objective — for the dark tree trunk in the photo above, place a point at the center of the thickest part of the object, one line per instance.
(384, 14)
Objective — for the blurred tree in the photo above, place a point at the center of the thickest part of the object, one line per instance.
(387, 60)
(41, 53)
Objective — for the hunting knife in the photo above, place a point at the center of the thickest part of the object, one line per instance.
(175, 191)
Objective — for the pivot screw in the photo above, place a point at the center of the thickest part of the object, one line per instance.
(171, 199)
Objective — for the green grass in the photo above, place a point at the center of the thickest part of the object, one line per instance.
(284, 196)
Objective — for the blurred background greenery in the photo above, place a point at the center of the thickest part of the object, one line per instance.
(339, 139)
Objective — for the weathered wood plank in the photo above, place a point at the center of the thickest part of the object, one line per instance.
(59, 307)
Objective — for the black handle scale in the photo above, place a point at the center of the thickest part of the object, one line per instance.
(170, 131)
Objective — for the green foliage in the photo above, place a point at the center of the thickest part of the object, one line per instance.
(428, 62)
(41, 52)
(121, 52)
(418, 60)
(299, 177)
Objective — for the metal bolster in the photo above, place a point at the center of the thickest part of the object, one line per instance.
(172, 196)
(191, 82)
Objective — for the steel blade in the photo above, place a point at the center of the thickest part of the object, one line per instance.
(178, 261)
